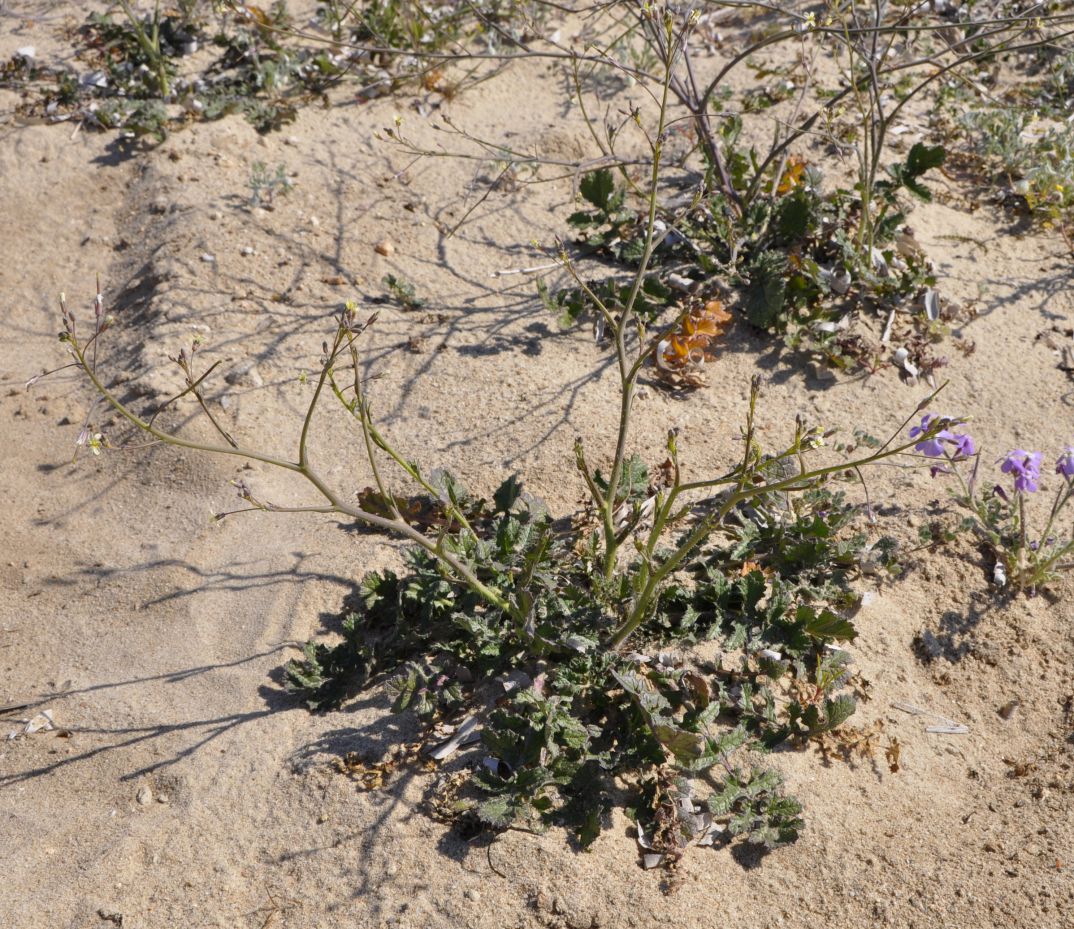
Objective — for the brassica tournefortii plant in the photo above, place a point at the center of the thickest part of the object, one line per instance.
(566, 647)
(553, 660)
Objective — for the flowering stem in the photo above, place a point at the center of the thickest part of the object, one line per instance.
(1024, 545)
(396, 526)
(629, 371)
(1061, 499)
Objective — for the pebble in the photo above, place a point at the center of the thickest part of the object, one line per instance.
(247, 250)
(206, 257)
(144, 795)
(246, 374)
(822, 373)
(384, 247)
(472, 895)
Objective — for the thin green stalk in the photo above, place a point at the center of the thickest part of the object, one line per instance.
(629, 372)
(1061, 500)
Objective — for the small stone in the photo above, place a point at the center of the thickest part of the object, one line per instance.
(247, 250)
(206, 257)
(384, 247)
(822, 373)
(215, 215)
(144, 795)
(472, 895)
(246, 374)
(1007, 710)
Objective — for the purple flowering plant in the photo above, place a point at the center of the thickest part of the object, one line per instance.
(938, 439)
(999, 514)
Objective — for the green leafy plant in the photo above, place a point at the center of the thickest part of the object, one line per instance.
(266, 185)
(813, 263)
(505, 615)
(794, 255)
(403, 292)
(566, 711)
(568, 648)
(260, 65)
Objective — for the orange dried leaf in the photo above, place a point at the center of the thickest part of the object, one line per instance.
(255, 13)
(792, 176)
(691, 345)
(714, 310)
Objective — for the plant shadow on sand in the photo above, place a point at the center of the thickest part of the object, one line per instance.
(203, 731)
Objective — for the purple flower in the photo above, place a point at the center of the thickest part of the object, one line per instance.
(933, 447)
(1025, 466)
(926, 423)
(964, 445)
(1065, 463)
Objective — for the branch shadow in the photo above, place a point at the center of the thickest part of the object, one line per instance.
(371, 744)
(232, 579)
(206, 730)
(955, 637)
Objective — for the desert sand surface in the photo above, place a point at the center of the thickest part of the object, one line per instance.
(182, 786)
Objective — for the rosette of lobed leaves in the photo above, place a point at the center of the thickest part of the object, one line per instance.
(565, 718)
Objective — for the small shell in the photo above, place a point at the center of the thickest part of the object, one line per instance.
(999, 575)
(931, 300)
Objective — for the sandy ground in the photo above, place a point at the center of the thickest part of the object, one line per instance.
(187, 789)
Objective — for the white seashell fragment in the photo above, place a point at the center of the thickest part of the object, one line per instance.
(931, 300)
